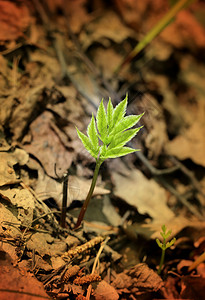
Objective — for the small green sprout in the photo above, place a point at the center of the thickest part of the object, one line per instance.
(107, 139)
(164, 245)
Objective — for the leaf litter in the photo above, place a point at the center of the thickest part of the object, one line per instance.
(47, 89)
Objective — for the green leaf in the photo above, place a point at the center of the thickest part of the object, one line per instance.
(103, 150)
(102, 121)
(126, 123)
(164, 228)
(110, 110)
(119, 111)
(159, 243)
(92, 133)
(117, 152)
(123, 138)
(87, 143)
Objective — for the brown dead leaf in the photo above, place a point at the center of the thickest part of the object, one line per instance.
(177, 224)
(23, 200)
(105, 28)
(138, 280)
(144, 194)
(106, 60)
(185, 31)
(16, 285)
(104, 291)
(45, 244)
(192, 287)
(77, 14)
(13, 20)
(8, 161)
(47, 147)
(48, 187)
(190, 145)
(157, 130)
(135, 13)
(8, 215)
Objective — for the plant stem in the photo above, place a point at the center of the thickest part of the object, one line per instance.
(64, 202)
(161, 262)
(89, 195)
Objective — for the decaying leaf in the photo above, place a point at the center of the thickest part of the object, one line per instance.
(190, 145)
(144, 194)
(138, 280)
(23, 200)
(105, 291)
(8, 161)
(47, 147)
(16, 284)
(48, 187)
(13, 20)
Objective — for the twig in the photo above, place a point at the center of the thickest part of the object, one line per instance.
(95, 264)
(152, 169)
(64, 202)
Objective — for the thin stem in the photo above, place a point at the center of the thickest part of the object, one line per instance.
(64, 202)
(89, 195)
(161, 262)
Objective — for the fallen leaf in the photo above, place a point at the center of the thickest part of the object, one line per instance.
(190, 145)
(192, 287)
(138, 280)
(78, 188)
(13, 20)
(16, 286)
(104, 291)
(105, 28)
(23, 200)
(47, 147)
(8, 161)
(144, 194)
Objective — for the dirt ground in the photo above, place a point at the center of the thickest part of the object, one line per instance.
(58, 59)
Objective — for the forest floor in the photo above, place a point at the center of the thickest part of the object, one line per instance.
(58, 59)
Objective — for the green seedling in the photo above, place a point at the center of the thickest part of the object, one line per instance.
(107, 139)
(164, 245)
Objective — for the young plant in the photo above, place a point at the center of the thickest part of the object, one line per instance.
(164, 245)
(107, 139)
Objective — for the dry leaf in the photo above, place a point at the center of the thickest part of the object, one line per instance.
(8, 161)
(47, 146)
(13, 20)
(192, 287)
(144, 194)
(190, 145)
(105, 28)
(23, 200)
(104, 291)
(138, 280)
(78, 188)
(16, 285)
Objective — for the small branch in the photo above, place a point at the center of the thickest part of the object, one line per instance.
(64, 202)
